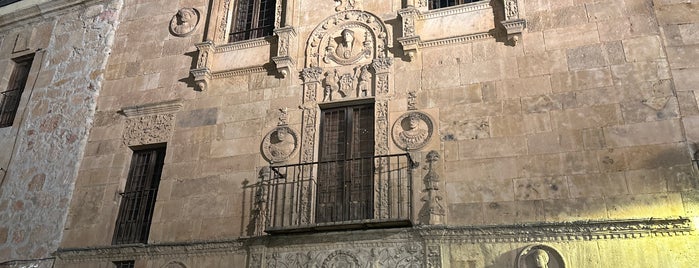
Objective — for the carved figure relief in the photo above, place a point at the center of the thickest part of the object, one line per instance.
(279, 144)
(412, 131)
(348, 48)
(149, 129)
(341, 259)
(338, 86)
(539, 256)
(184, 22)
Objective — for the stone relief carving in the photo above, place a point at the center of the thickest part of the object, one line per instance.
(279, 144)
(434, 256)
(222, 31)
(184, 22)
(410, 256)
(412, 100)
(432, 212)
(174, 264)
(342, 5)
(356, 84)
(258, 215)
(149, 129)
(202, 74)
(412, 131)
(539, 256)
(284, 61)
(349, 48)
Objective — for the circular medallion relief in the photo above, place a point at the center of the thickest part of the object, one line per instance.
(412, 131)
(184, 22)
(341, 259)
(279, 144)
(539, 256)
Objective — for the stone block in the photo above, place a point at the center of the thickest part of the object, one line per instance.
(587, 117)
(647, 110)
(691, 203)
(491, 70)
(217, 166)
(614, 52)
(586, 57)
(637, 73)
(677, 13)
(597, 185)
(689, 33)
(656, 156)
(687, 103)
(645, 206)
(463, 214)
(541, 188)
(482, 185)
(683, 57)
(645, 48)
(466, 129)
(572, 36)
(440, 77)
(555, 142)
(577, 209)
(446, 55)
(549, 165)
(507, 126)
(244, 146)
(645, 181)
(541, 64)
(549, 102)
(680, 178)
(521, 87)
(686, 79)
(492, 147)
(593, 139)
(514, 212)
(533, 42)
(604, 11)
(243, 112)
(605, 96)
(658, 132)
(197, 118)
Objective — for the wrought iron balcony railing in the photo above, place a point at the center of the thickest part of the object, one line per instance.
(366, 192)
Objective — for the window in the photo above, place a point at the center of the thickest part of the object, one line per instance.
(253, 19)
(7, 2)
(345, 172)
(124, 264)
(11, 97)
(138, 199)
(434, 4)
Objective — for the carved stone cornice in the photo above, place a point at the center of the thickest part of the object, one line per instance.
(458, 9)
(164, 250)
(559, 231)
(170, 106)
(266, 41)
(514, 29)
(456, 40)
(236, 72)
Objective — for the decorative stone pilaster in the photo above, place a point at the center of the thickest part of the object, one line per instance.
(311, 84)
(513, 24)
(287, 41)
(202, 74)
(382, 67)
(432, 211)
(410, 40)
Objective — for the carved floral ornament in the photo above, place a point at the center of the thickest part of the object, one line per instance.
(184, 22)
(149, 129)
(279, 144)
(412, 131)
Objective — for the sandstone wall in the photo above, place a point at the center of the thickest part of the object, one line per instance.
(42, 150)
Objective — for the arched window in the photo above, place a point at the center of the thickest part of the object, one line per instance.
(253, 19)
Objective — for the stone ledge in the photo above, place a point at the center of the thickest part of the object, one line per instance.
(171, 106)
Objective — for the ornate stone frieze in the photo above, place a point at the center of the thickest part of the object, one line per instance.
(355, 84)
(406, 255)
(412, 131)
(312, 74)
(348, 37)
(342, 5)
(238, 72)
(153, 108)
(279, 144)
(185, 22)
(456, 40)
(149, 129)
(108, 253)
(534, 256)
(434, 256)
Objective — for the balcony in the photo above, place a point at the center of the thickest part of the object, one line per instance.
(358, 193)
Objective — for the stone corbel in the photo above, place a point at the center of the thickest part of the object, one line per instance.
(284, 61)
(513, 24)
(410, 40)
(202, 74)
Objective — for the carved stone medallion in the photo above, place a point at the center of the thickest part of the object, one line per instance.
(341, 259)
(412, 131)
(539, 256)
(174, 264)
(279, 144)
(184, 22)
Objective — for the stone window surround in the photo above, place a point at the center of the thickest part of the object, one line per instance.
(418, 11)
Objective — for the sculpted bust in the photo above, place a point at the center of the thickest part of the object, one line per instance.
(184, 22)
(412, 131)
(540, 256)
(279, 144)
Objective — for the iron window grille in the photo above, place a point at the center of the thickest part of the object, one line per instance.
(138, 198)
(253, 19)
(434, 4)
(124, 264)
(10, 98)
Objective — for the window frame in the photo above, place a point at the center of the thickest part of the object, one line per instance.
(139, 196)
(12, 97)
(259, 21)
(437, 4)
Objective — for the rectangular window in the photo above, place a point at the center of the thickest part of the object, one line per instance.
(124, 264)
(138, 199)
(10, 98)
(434, 4)
(253, 19)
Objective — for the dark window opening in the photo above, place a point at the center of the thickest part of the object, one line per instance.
(138, 199)
(124, 264)
(7, 2)
(9, 102)
(253, 19)
(434, 4)
(345, 172)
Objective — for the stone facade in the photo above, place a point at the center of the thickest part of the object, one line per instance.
(40, 153)
(556, 130)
